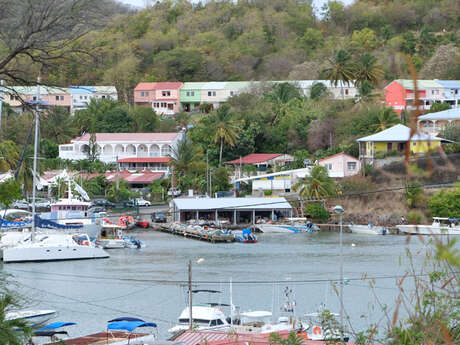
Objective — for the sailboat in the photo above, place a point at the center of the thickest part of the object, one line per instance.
(49, 246)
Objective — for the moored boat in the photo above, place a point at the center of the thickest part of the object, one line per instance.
(440, 226)
(33, 317)
(286, 228)
(369, 229)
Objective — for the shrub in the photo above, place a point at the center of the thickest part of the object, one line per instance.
(268, 192)
(446, 203)
(317, 212)
(413, 194)
(414, 217)
(356, 183)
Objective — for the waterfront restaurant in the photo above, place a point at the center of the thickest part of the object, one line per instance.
(234, 210)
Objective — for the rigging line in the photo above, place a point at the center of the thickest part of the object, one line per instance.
(242, 282)
(90, 303)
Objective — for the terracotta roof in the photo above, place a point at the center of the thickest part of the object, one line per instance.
(338, 154)
(102, 338)
(145, 160)
(254, 158)
(123, 137)
(144, 177)
(158, 86)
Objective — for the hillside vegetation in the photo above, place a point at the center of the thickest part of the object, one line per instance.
(266, 40)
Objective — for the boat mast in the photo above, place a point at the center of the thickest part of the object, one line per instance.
(190, 293)
(231, 302)
(37, 110)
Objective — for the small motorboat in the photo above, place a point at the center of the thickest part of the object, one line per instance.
(369, 229)
(52, 330)
(244, 236)
(440, 226)
(34, 317)
(111, 236)
(134, 243)
(142, 224)
(126, 222)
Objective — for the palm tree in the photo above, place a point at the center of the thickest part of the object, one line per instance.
(9, 155)
(342, 70)
(12, 332)
(385, 118)
(281, 96)
(187, 162)
(318, 185)
(225, 129)
(367, 69)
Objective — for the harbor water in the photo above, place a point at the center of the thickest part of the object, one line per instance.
(150, 283)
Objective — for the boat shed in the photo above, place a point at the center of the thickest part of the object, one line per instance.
(233, 210)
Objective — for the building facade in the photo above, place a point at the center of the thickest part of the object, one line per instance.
(341, 165)
(433, 123)
(400, 94)
(125, 148)
(163, 97)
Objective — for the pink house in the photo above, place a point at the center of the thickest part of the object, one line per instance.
(162, 97)
(341, 165)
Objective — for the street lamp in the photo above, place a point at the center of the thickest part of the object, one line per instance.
(190, 293)
(339, 210)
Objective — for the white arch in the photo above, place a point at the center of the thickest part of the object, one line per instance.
(107, 149)
(142, 150)
(119, 149)
(130, 149)
(154, 150)
(166, 150)
(84, 148)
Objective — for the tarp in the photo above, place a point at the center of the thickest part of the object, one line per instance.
(49, 224)
(126, 318)
(7, 224)
(55, 325)
(129, 325)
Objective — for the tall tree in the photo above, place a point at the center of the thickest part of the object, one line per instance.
(385, 118)
(341, 70)
(223, 126)
(281, 95)
(367, 69)
(188, 165)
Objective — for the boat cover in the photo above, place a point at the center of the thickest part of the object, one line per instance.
(55, 325)
(8, 225)
(130, 325)
(49, 224)
(126, 318)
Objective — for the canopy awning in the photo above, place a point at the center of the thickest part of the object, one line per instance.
(129, 325)
(55, 325)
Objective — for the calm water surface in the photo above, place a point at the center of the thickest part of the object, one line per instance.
(148, 283)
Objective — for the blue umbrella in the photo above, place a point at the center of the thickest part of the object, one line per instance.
(129, 325)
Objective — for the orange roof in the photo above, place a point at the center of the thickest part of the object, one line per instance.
(338, 154)
(254, 158)
(158, 86)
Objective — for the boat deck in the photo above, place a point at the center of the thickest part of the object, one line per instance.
(197, 236)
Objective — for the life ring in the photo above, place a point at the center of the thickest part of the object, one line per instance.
(317, 330)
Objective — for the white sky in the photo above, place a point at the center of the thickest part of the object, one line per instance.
(316, 3)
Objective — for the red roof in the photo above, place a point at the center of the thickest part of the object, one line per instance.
(145, 160)
(123, 137)
(144, 177)
(254, 158)
(338, 154)
(169, 85)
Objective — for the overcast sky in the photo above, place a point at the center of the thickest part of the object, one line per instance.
(316, 3)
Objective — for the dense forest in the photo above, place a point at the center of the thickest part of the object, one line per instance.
(265, 40)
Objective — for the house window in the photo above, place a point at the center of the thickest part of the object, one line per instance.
(57, 98)
(192, 93)
(414, 144)
(103, 97)
(62, 98)
(34, 98)
(351, 165)
(188, 94)
(81, 97)
(214, 93)
(165, 93)
(231, 93)
(209, 93)
(346, 91)
(163, 104)
(328, 166)
(142, 94)
(86, 97)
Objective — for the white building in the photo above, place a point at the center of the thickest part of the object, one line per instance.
(123, 146)
(433, 123)
(81, 95)
(341, 165)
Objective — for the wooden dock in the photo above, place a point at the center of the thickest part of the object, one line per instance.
(200, 236)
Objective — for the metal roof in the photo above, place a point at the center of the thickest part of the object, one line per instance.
(452, 84)
(193, 86)
(130, 137)
(449, 114)
(81, 89)
(242, 204)
(214, 85)
(254, 158)
(237, 85)
(400, 133)
(421, 84)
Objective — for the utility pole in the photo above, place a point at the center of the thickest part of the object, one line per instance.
(34, 189)
(172, 181)
(117, 181)
(1, 102)
(190, 306)
(207, 176)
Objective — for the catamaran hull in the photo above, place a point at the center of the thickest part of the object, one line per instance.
(428, 230)
(57, 253)
(365, 229)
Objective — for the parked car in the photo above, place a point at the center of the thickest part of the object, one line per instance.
(21, 204)
(102, 202)
(96, 209)
(139, 202)
(42, 203)
(158, 217)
